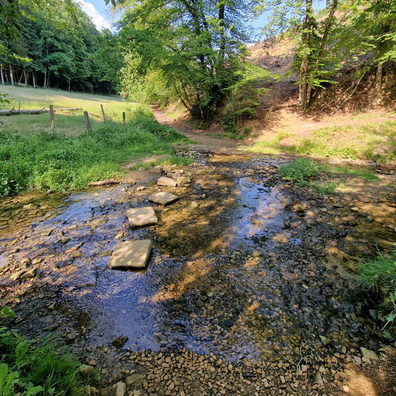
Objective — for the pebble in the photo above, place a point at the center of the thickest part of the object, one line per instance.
(367, 353)
(86, 370)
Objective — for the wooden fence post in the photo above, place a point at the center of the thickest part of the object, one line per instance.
(103, 113)
(87, 122)
(52, 119)
(123, 117)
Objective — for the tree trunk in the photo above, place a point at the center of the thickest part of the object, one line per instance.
(34, 80)
(45, 78)
(378, 85)
(11, 76)
(304, 91)
(26, 78)
(304, 86)
(222, 32)
(2, 74)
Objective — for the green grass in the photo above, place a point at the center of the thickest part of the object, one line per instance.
(33, 159)
(361, 173)
(300, 169)
(28, 368)
(37, 98)
(376, 142)
(61, 163)
(379, 275)
(304, 171)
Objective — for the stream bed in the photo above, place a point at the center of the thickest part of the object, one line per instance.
(244, 267)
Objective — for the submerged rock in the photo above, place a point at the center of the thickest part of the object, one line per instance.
(131, 255)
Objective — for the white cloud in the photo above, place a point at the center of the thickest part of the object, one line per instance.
(97, 19)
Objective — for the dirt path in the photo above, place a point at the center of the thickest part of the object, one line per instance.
(204, 140)
(250, 289)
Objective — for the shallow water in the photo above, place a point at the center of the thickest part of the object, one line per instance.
(238, 275)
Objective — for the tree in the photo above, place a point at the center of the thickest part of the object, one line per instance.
(61, 42)
(376, 23)
(193, 47)
(312, 34)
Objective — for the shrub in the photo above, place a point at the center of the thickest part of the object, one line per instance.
(300, 169)
(379, 275)
(27, 369)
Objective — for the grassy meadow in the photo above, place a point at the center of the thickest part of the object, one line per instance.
(32, 158)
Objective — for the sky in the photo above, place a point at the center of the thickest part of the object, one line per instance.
(97, 10)
(99, 13)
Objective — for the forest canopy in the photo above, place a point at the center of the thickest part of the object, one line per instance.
(195, 51)
(55, 44)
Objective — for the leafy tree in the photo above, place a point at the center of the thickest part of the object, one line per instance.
(194, 49)
(371, 32)
(313, 39)
(61, 42)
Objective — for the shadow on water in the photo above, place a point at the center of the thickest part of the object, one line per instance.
(238, 269)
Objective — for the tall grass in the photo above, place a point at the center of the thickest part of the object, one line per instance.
(61, 162)
(41, 368)
(33, 158)
(379, 275)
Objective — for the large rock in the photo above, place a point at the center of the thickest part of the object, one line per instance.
(166, 181)
(163, 198)
(119, 389)
(131, 255)
(139, 217)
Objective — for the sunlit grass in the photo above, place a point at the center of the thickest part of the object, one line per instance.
(37, 98)
(370, 141)
(70, 158)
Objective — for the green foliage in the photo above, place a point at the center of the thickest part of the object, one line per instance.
(243, 97)
(61, 163)
(43, 368)
(7, 312)
(189, 50)
(54, 43)
(300, 169)
(379, 275)
(4, 98)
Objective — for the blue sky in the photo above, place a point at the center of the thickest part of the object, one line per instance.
(98, 11)
(100, 14)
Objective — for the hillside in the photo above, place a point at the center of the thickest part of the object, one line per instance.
(342, 123)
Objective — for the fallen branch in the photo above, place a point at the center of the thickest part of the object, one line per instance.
(35, 111)
(103, 183)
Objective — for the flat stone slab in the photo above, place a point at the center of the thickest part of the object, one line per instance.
(166, 181)
(163, 198)
(139, 217)
(131, 255)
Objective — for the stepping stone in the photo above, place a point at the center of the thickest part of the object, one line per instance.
(131, 255)
(163, 198)
(166, 181)
(139, 217)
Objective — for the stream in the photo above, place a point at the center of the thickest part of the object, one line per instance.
(242, 267)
